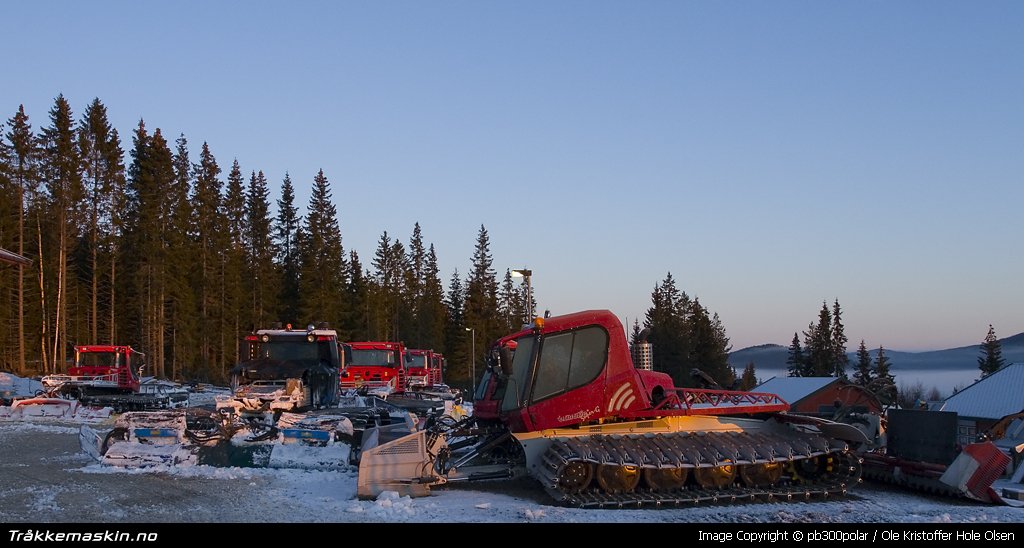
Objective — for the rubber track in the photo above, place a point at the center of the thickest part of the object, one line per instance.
(693, 450)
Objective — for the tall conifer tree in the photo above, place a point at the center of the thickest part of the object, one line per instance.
(818, 345)
(287, 226)
(839, 340)
(884, 380)
(23, 174)
(481, 309)
(181, 268)
(324, 270)
(358, 314)
(456, 338)
(233, 267)
(260, 247)
(796, 362)
(431, 308)
(991, 359)
(62, 172)
(670, 335)
(210, 230)
(749, 379)
(101, 165)
(864, 375)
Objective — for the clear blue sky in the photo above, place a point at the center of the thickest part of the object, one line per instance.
(770, 155)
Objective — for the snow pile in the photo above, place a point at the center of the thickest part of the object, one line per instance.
(300, 455)
(36, 427)
(389, 506)
(534, 514)
(53, 410)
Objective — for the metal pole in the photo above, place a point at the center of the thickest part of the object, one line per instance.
(526, 273)
(473, 360)
(529, 301)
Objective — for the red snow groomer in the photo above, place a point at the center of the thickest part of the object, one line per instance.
(109, 376)
(377, 367)
(564, 403)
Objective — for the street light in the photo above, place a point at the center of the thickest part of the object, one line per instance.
(526, 273)
(472, 357)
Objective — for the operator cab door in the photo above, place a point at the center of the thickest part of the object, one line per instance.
(560, 382)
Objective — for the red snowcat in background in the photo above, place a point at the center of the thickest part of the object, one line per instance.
(377, 367)
(423, 368)
(109, 376)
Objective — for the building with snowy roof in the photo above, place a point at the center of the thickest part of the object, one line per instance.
(821, 396)
(982, 404)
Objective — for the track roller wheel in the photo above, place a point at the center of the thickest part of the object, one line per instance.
(665, 479)
(761, 475)
(715, 477)
(575, 477)
(617, 479)
(812, 469)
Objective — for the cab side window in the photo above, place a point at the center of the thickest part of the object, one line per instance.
(570, 360)
(553, 366)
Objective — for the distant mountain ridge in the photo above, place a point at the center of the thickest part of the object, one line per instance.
(772, 357)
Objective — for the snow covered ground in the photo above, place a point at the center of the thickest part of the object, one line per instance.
(45, 477)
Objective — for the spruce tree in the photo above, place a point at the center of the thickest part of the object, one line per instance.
(796, 362)
(634, 336)
(181, 268)
(62, 171)
(233, 267)
(818, 346)
(507, 305)
(387, 289)
(100, 167)
(864, 375)
(287, 226)
(431, 308)
(357, 322)
(118, 204)
(23, 175)
(260, 249)
(324, 270)
(164, 176)
(234, 206)
(884, 382)
(415, 262)
(749, 379)
(839, 340)
(991, 359)
(140, 217)
(481, 307)
(456, 339)
(710, 346)
(670, 335)
(210, 231)
(405, 318)
(145, 248)
(8, 232)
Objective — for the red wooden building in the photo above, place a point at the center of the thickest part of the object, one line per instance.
(821, 396)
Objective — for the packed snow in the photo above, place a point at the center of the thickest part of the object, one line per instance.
(44, 476)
